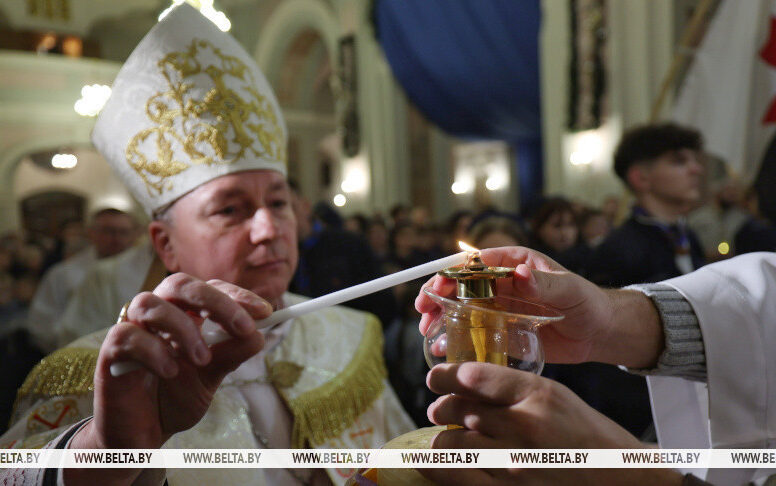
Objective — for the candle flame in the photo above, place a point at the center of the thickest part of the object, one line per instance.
(466, 247)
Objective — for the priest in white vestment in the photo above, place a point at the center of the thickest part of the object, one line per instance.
(111, 232)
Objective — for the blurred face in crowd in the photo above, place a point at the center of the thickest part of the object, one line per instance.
(73, 231)
(32, 257)
(239, 228)
(596, 229)
(6, 259)
(675, 177)
(419, 216)
(377, 235)
(729, 195)
(24, 289)
(112, 233)
(462, 227)
(495, 239)
(560, 231)
(610, 208)
(426, 239)
(6, 289)
(405, 240)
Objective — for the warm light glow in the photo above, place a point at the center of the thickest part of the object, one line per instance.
(356, 179)
(64, 161)
(723, 248)
(461, 187)
(206, 8)
(340, 200)
(586, 147)
(93, 98)
(494, 183)
(580, 158)
(463, 246)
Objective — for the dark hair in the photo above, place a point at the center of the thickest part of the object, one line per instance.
(109, 211)
(589, 214)
(497, 224)
(398, 228)
(550, 207)
(453, 220)
(396, 209)
(645, 143)
(362, 221)
(327, 215)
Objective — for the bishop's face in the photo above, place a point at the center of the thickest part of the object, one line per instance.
(239, 228)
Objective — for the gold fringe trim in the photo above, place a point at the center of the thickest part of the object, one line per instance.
(67, 371)
(327, 411)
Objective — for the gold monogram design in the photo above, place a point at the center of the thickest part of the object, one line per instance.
(223, 125)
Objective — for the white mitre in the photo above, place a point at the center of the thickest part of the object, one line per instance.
(188, 106)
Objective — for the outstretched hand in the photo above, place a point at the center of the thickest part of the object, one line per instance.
(588, 309)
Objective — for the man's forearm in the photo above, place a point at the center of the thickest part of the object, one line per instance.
(635, 333)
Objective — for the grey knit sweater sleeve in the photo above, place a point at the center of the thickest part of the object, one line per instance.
(684, 355)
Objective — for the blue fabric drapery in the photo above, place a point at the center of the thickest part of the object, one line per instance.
(472, 67)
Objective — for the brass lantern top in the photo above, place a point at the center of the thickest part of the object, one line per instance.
(475, 280)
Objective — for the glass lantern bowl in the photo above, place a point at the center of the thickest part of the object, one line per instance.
(499, 330)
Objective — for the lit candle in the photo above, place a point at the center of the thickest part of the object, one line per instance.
(328, 300)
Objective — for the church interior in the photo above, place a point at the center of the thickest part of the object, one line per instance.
(412, 125)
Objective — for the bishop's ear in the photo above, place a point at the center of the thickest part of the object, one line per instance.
(159, 232)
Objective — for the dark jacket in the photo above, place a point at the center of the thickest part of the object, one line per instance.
(332, 259)
(638, 253)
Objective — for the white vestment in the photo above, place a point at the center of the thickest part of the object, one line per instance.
(735, 302)
(109, 284)
(53, 293)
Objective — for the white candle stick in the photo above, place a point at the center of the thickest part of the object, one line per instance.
(328, 300)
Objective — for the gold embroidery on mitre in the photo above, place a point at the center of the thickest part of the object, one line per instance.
(285, 374)
(327, 411)
(230, 122)
(67, 371)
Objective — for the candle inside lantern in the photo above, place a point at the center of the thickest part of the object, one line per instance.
(476, 284)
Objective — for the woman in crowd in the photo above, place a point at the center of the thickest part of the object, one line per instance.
(555, 232)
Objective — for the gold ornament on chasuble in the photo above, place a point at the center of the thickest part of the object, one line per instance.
(329, 389)
(224, 123)
(68, 371)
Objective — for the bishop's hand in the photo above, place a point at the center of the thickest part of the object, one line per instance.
(180, 374)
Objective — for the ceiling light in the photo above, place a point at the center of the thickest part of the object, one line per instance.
(64, 161)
